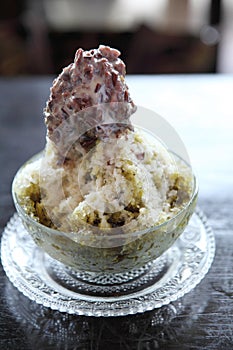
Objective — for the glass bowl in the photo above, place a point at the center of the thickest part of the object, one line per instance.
(98, 252)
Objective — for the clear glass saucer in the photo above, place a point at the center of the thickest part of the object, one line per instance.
(52, 284)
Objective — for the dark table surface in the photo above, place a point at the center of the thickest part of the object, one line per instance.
(201, 109)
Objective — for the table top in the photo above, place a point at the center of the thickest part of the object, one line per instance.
(199, 107)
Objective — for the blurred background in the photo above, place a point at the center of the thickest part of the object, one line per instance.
(155, 37)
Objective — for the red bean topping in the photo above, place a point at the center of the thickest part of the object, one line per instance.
(78, 87)
(78, 56)
(114, 78)
(98, 86)
(126, 95)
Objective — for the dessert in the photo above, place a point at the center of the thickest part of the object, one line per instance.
(100, 178)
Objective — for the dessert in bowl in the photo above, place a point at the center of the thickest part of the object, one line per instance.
(106, 250)
(104, 196)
